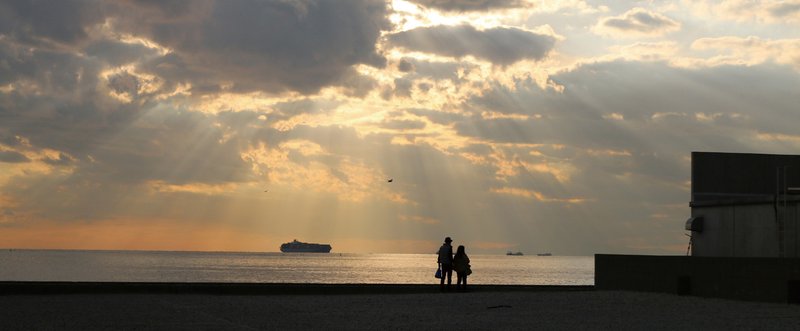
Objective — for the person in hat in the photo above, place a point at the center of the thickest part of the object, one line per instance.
(445, 261)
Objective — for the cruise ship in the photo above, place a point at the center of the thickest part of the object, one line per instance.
(301, 247)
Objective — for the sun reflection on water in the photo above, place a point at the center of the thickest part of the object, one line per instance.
(147, 266)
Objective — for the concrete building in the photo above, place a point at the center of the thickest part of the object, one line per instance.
(744, 228)
(744, 205)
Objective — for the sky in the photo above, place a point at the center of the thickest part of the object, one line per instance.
(237, 125)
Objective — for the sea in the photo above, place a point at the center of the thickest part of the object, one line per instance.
(238, 267)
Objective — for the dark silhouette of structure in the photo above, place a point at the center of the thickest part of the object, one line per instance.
(743, 235)
(744, 205)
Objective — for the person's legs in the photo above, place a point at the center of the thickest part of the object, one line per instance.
(441, 279)
(447, 271)
(459, 280)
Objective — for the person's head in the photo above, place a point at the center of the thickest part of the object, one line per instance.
(448, 240)
(460, 250)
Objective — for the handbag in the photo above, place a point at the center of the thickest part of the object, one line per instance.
(438, 273)
(468, 271)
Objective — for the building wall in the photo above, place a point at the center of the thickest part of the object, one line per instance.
(746, 230)
(742, 278)
(737, 195)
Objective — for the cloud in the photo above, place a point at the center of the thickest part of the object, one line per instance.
(117, 53)
(502, 46)
(404, 125)
(402, 87)
(13, 157)
(647, 51)
(618, 132)
(425, 70)
(188, 110)
(632, 107)
(61, 160)
(37, 21)
(785, 9)
(752, 50)
(405, 65)
(470, 5)
(772, 12)
(77, 100)
(636, 22)
(272, 46)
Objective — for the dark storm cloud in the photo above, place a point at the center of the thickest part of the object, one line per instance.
(61, 21)
(64, 110)
(12, 65)
(267, 45)
(502, 46)
(470, 5)
(273, 46)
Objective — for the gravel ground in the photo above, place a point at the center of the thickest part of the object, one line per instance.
(581, 310)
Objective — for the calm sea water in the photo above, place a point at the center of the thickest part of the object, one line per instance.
(334, 268)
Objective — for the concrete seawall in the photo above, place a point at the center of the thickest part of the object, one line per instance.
(47, 288)
(739, 278)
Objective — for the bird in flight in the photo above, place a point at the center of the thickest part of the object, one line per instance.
(391, 180)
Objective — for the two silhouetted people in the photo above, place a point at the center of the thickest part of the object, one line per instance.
(448, 263)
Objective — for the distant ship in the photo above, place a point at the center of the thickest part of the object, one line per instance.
(544, 254)
(301, 247)
(514, 253)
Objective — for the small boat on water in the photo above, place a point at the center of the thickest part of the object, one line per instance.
(514, 253)
(301, 247)
(544, 254)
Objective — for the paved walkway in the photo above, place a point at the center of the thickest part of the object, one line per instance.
(480, 310)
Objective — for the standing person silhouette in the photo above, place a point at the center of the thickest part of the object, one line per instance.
(446, 263)
(462, 268)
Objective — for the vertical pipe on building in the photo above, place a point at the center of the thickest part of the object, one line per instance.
(775, 199)
(782, 223)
